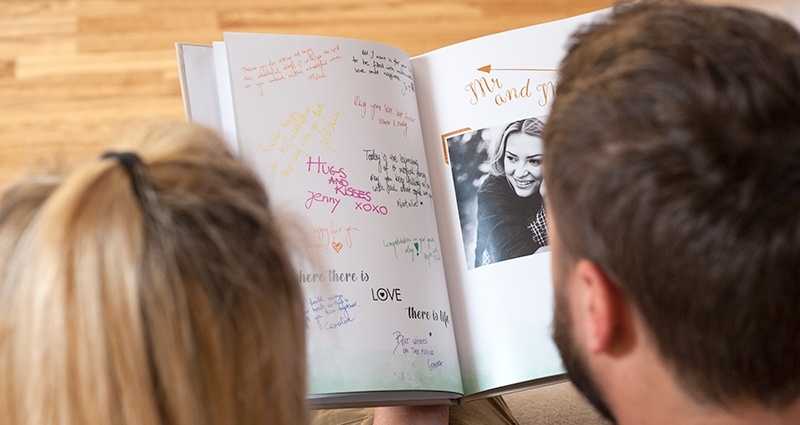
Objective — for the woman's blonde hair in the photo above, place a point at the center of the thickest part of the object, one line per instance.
(497, 150)
(166, 297)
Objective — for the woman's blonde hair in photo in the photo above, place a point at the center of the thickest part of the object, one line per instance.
(152, 292)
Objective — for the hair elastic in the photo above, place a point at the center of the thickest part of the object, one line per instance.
(134, 167)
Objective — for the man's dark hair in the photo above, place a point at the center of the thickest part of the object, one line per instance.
(673, 162)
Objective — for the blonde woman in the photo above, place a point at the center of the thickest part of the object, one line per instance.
(151, 286)
(511, 216)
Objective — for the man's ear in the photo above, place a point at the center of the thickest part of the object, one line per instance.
(602, 307)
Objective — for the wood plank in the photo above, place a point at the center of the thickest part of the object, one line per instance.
(73, 74)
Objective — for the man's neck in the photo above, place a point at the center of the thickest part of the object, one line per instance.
(749, 414)
(654, 397)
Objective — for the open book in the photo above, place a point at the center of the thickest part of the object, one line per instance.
(381, 156)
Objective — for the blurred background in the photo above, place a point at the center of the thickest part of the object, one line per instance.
(74, 73)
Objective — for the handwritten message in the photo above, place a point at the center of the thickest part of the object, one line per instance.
(301, 132)
(330, 313)
(417, 346)
(413, 248)
(384, 115)
(400, 175)
(385, 65)
(306, 63)
(333, 236)
(360, 199)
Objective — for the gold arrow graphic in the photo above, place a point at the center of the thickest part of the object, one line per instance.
(488, 69)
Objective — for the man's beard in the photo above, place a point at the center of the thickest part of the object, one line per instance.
(574, 362)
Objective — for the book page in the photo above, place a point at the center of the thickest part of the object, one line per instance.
(331, 125)
(468, 95)
(198, 78)
(227, 120)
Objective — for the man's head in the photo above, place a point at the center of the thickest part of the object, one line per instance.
(673, 168)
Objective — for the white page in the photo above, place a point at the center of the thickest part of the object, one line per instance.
(502, 311)
(225, 96)
(325, 122)
(205, 86)
(199, 84)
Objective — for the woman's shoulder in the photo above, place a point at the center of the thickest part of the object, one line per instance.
(493, 184)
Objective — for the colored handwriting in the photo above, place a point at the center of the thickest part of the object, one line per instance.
(306, 63)
(436, 364)
(499, 93)
(329, 313)
(425, 248)
(548, 91)
(416, 345)
(375, 63)
(401, 176)
(384, 115)
(333, 236)
(360, 198)
(302, 132)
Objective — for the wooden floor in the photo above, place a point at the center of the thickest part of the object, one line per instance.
(73, 73)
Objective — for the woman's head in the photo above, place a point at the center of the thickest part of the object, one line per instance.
(517, 155)
(166, 296)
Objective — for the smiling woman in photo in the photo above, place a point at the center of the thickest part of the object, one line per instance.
(511, 217)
